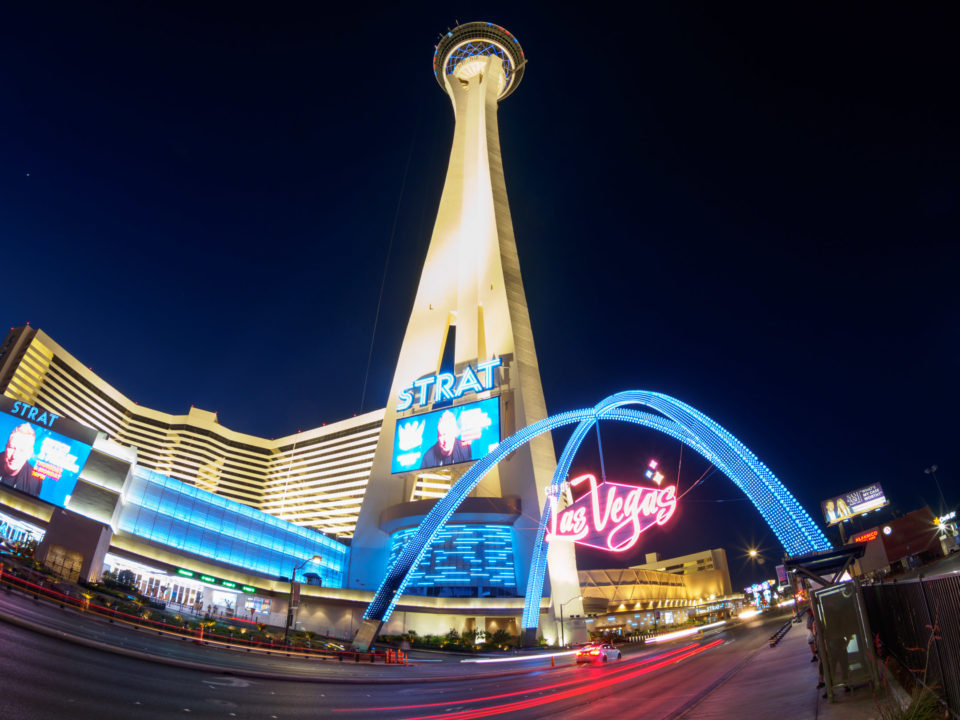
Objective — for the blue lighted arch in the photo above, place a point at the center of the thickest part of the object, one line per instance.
(788, 520)
(793, 527)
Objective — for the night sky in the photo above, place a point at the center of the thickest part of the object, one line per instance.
(753, 210)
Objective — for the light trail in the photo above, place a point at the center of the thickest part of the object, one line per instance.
(528, 658)
(683, 633)
(573, 692)
(625, 667)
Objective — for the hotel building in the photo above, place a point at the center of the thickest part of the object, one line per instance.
(314, 479)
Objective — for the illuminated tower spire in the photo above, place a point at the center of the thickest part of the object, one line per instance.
(470, 290)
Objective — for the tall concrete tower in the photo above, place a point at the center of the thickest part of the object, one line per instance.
(470, 306)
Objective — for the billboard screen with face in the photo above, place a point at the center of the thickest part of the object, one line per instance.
(446, 437)
(857, 502)
(42, 453)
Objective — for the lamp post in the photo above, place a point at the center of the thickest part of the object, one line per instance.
(562, 639)
(932, 470)
(293, 582)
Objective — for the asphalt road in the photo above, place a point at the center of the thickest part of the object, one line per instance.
(43, 677)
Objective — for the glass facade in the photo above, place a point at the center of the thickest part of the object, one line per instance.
(167, 511)
(463, 561)
(17, 531)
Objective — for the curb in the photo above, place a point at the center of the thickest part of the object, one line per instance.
(245, 672)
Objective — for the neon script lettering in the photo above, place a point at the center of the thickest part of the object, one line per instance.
(611, 516)
(447, 386)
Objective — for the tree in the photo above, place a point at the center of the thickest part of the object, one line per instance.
(500, 638)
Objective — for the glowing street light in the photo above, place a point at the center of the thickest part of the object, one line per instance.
(578, 597)
(293, 582)
(932, 470)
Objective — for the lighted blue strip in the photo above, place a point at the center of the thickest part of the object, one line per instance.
(181, 516)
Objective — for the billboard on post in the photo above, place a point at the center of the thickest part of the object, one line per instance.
(843, 507)
(42, 452)
(463, 433)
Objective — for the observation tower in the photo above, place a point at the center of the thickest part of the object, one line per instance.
(470, 305)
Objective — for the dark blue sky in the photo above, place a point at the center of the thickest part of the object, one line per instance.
(754, 210)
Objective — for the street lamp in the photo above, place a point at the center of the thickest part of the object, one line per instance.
(293, 581)
(932, 470)
(562, 639)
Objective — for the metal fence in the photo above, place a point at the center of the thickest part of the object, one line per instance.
(918, 623)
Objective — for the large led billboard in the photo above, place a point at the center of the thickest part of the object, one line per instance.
(463, 433)
(842, 507)
(43, 453)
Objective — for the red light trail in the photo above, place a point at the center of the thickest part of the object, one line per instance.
(619, 675)
(518, 692)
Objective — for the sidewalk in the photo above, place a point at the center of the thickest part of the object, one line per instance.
(780, 682)
(71, 625)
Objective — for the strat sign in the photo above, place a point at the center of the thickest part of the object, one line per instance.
(611, 516)
(447, 386)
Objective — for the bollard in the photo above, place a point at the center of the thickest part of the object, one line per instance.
(551, 662)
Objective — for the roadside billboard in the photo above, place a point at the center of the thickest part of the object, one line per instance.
(843, 507)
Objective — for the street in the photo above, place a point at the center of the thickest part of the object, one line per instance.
(43, 677)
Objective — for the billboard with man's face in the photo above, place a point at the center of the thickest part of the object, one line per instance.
(41, 453)
(463, 433)
(856, 502)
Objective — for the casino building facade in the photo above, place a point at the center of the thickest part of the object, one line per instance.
(201, 514)
(315, 479)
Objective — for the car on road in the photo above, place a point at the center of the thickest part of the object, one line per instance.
(597, 652)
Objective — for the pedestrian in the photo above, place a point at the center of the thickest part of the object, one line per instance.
(812, 642)
(811, 637)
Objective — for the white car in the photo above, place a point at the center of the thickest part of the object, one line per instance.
(597, 652)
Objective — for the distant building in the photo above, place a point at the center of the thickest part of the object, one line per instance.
(707, 571)
(635, 600)
(904, 542)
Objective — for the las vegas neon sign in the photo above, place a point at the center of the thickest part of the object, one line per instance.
(611, 516)
(447, 386)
